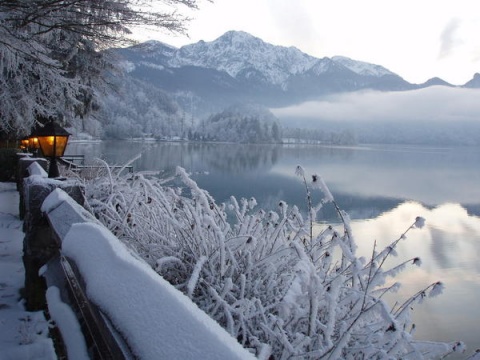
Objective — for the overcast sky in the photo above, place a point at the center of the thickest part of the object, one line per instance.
(416, 39)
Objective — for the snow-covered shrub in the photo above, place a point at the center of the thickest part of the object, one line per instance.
(280, 286)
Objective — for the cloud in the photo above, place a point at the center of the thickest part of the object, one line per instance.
(292, 23)
(448, 40)
(432, 104)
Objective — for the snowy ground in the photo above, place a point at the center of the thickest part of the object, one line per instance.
(23, 334)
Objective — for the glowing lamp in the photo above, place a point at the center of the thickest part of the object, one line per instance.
(24, 143)
(52, 139)
(33, 143)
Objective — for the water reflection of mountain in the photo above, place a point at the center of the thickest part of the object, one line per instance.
(299, 152)
(269, 190)
(429, 175)
(365, 180)
(237, 158)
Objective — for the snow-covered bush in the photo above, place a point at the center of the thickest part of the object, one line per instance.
(282, 287)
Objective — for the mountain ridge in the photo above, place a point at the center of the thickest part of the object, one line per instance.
(170, 92)
(239, 67)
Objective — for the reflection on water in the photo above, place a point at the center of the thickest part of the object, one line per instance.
(382, 188)
(449, 246)
(366, 181)
(221, 158)
(430, 176)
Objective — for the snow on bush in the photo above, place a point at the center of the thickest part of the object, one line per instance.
(278, 285)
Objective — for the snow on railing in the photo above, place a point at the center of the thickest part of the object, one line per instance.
(114, 289)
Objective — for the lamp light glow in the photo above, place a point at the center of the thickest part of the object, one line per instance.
(52, 140)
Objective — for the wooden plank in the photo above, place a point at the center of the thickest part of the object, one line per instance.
(99, 334)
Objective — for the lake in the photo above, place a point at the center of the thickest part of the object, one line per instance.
(382, 187)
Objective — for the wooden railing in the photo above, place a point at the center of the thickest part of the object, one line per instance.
(43, 238)
(49, 236)
(74, 159)
(76, 163)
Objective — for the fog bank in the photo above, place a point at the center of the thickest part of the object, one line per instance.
(437, 114)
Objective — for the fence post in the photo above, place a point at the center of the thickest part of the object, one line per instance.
(39, 245)
(22, 172)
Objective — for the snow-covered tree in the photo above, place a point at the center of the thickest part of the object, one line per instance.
(242, 123)
(51, 52)
(147, 109)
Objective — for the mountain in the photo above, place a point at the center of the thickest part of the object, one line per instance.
(474, 83)
(188, 92)
(238, 67)
(435, 82)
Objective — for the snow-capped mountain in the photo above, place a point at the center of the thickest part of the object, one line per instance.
(239, 54)
(362, 68)
(238, 67)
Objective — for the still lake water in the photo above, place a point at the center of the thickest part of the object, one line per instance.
(383, 188)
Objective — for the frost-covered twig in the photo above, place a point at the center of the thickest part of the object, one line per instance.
(255, 274)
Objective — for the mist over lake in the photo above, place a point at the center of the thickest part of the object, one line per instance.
(437, 116)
